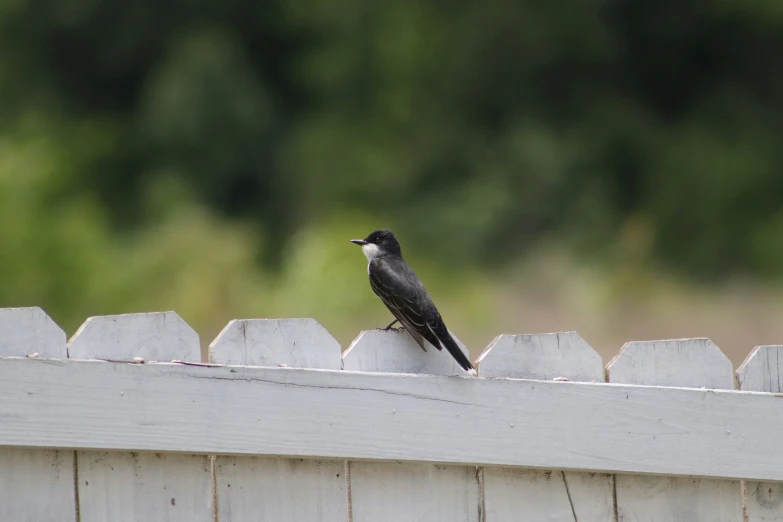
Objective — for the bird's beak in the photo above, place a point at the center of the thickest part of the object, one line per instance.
(359, 241)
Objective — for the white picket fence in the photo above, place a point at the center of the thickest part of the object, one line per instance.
(123, 423)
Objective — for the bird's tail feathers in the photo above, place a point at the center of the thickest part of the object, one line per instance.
(451, 345)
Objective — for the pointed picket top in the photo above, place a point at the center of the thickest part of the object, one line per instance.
(34, 483)
(111, 481)
(29, 331)
(378, 489)
(395, 351)
(544, 495)
(541, 356)
(157, 336)
(690, 363)
(296, 343)
(762, 370)
(247, 486)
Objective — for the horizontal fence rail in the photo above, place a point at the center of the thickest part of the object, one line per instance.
(347, 415)
(124, 422)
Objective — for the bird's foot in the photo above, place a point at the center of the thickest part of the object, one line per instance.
(390, 325)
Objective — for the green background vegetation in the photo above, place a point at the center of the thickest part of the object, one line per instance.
(612, 167)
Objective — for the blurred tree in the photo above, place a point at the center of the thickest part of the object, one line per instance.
(476, 128)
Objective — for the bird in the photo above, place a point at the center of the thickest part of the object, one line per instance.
(404, 295)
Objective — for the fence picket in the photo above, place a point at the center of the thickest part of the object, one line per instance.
(137, 487)
(159, 336)
(544, 495)
(403, 491)
(29, 331)
(693, 363)
(390, 351)
(279, 390)
(35, 485)
(762, 371)
(261, 488)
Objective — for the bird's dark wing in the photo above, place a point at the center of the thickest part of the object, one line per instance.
(399, 299)
(404, 295)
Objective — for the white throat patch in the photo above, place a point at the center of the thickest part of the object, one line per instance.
(371, 251)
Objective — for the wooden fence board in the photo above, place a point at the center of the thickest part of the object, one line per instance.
(36, 485)
(159, 336)
(538, 436)
(121, 486)
(250, 488)
(143, 487)
(296, 343)
(349, 415)
(390, 492)
(396, 351)
(405, 491)
(677, 362)
(550, 495)
(763, 371)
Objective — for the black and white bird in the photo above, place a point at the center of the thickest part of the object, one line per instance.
(404, 295)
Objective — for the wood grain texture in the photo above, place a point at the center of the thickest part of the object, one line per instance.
(35, 485)
(275, 488)
(514, 494)
(762, 371)
(405, 491)
(690, 363)
(158, 336)
(665, 499)
(137, 487)
(544, 495)
(349, 415)
(389, 492)
(251, 488)
(26, 331)
(297, 343)
(396, 351)
(541, 356)
(679, 362)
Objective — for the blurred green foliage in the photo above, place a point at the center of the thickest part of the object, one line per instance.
(217, 156)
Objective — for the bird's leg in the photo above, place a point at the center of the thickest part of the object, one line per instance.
(390, 325)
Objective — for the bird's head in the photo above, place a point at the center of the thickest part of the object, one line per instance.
(378, 244)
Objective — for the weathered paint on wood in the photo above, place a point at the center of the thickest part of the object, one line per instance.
(690, 363)
(415, 492)
(296, 343)
(348, 415)
(159, 336)
(36, 485)
(388, 492)
(544, 495)
(254, 488)
(665, 499)
(557, 496)
(438, 426)
(137, 487)
(272, 488)
(29, 331)
(396, 351)
(542, 356)
(680, 362)
(762, 371)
